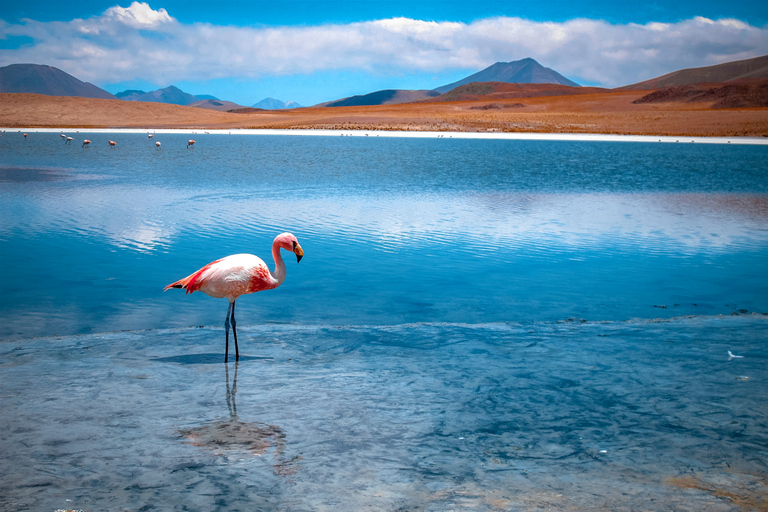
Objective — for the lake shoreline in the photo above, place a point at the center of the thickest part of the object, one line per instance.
(574, 137)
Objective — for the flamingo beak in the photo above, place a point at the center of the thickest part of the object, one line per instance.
(299, 252)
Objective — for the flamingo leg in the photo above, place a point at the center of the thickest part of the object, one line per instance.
(226, 333)
(234, 333)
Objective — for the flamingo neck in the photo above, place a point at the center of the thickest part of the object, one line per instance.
(279, 273)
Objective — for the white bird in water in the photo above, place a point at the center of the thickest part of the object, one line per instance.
(157, 144)
(85, 143)
(731, 356)
(190, 143)
(149, 135)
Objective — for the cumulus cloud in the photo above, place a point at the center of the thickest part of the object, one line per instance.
(138, 15)
(139, 42)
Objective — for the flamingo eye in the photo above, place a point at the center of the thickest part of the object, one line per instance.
(294, 244)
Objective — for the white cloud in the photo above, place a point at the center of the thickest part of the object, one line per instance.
(138, 15)
(140, 43)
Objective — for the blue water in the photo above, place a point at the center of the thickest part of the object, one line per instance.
(395, 230)
(476, 324)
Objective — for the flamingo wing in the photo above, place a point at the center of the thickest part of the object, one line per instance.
(229, 277)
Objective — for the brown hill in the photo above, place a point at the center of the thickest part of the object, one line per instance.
(740, 69)
(488, 91)
(744, 93)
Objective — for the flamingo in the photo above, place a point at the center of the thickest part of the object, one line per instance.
(25, 135)
(238, 275)
(190, 143)
(63, 136)
(68, 140)
(157, 144)
(85, 143)
(150, 135)
(112, 143)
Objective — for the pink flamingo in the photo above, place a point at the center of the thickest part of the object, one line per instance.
(157, 144)
(238, 275)
(112, 143)
(190, 143)
(149, 135)
(85, 143)
(25, 135)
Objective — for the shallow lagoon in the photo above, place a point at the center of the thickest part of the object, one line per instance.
(483, 325)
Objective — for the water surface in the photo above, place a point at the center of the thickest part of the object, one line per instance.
(476, 325)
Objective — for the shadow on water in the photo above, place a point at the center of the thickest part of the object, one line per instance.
(231, 436)
(209, 358)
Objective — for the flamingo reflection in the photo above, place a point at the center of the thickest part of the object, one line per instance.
(231, 436)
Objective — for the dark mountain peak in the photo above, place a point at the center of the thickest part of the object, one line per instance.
(129, 92)
(384, 97)
(48, 80)
(524, 71)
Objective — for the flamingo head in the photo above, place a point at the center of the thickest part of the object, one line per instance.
(289, 242)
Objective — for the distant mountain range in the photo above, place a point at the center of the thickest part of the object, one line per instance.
(525, 71)
(273, 104)
(170, 94)
(501, 80)
(37, 79)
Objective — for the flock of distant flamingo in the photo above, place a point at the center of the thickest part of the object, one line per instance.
(235, 275)
(112, 143)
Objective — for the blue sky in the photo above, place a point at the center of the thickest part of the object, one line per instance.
(314, 51)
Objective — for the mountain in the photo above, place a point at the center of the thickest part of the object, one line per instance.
(221, 106)
(487, 91)
(273, 104)
(39, 79)
(130, 94)
(727, 72)
(170, 94)
(385, 97)
(742, 93)
(526, 71)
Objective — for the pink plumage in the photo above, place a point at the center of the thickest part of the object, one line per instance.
(240, 274)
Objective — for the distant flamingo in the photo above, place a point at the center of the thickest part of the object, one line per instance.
(85, 143)
(112, 143)
(190, 143)
(68, 140)
(157, 144)
(25, 135)
(238, 275)
(149, 135)
(64, 137)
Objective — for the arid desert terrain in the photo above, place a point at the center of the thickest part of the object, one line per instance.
(610, 112)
